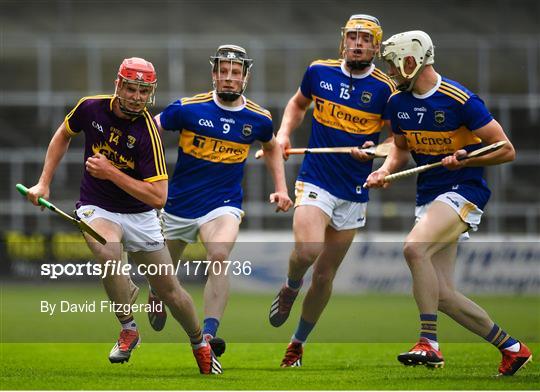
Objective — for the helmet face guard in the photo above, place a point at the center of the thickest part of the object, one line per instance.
(230, 54)
(358, 24)
(136, 77)
(415, 44)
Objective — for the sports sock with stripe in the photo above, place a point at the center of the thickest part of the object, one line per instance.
(500, 339)
(302, 331)
(294, 284)
(210, 326)
(428, 329)
(196, 339)
(129, 324)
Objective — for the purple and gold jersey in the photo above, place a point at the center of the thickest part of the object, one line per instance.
(131, 145)
(436, 124)
(348, 111)
(212, 150)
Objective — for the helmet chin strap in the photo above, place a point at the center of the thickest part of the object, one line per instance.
(409, 83)
(406, 86)
(228, 96)
(356, 65)
(125, 110)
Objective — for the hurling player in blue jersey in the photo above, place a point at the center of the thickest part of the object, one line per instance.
(216, 130)
(124, 181)
(437, 119)
(349, 96)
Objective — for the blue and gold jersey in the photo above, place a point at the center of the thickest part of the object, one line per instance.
(348, 111)
(435, 125)
(212, 150)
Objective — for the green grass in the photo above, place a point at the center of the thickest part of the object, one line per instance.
(347, 318)
(69, 351)
(254, 367)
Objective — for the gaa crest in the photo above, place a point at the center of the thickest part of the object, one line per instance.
(365, 97)
(131, 142)
(439, 116)
(247, 129)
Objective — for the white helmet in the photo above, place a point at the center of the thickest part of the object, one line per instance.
(414, 43)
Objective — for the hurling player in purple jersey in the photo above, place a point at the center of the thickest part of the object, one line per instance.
(434, 118)
(124, 181)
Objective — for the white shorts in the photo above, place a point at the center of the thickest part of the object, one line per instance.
(344, 214)
(467, 211)
(140, 231)
(185, 229)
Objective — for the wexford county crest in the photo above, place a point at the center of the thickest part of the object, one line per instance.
(247, 129)
(365, 97)
(439, 116)
(131, 142)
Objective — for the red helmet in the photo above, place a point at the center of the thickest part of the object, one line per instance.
(138, 72)
(137, 69)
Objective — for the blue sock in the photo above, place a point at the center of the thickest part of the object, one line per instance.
(428, 326)
(294, 284)
(499, 338)
(210, 326)
(303, 330)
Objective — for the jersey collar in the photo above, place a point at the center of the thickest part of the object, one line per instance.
(361, 76)
(430, 92)
(228, 108)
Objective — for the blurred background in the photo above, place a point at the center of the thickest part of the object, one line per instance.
(55, 52)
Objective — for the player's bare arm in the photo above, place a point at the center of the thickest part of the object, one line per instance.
(274, 163)
(397, 158)
(152, 193)
(387, 129)
(57, 148)
(292, 118)
(490, 133)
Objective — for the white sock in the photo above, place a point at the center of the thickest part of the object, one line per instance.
(433, 344)
(131, 325)
(514, 348)
(198, 346)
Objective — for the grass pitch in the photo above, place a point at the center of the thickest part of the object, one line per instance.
(170, 366)
(34, 354)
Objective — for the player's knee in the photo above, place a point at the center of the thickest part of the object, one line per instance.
(307, 253)
(172, 296)
(414, 252)
(166, 289)
(218, 255)
(322, 279)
